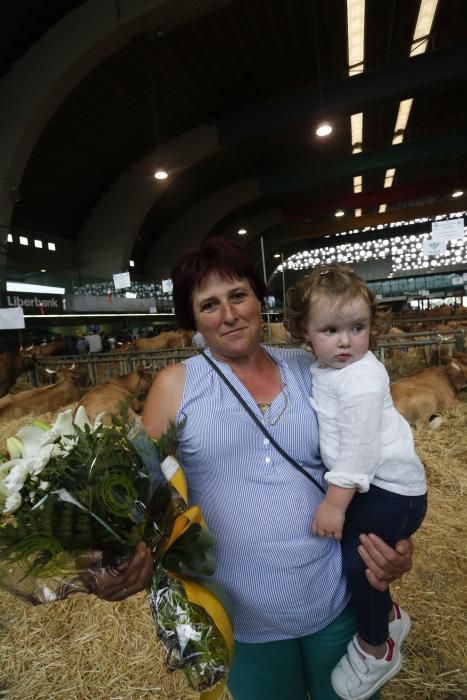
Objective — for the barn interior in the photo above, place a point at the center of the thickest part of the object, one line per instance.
(131, 131)
(226, 96)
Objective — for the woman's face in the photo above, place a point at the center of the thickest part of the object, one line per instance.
(228, 315)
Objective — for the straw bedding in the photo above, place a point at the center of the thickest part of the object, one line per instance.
(85, 648)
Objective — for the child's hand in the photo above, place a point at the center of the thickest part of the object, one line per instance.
(328, 521)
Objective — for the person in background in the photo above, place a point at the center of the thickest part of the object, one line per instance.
(95, 341)
(291, 614)
(198, 341)
(376, 480)
(82, 345)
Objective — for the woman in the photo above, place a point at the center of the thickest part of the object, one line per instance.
(292, 617)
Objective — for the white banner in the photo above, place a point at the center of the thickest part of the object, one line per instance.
(434, 247)
(452, 230)
(11, 318)
(122, 280)
(167, 286)
(457, 280)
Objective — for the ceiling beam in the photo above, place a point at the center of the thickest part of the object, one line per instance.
(418, 151)
(358, 93)
(299, 211)
(303, 231)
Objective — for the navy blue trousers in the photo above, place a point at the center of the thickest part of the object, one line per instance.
(393, 517)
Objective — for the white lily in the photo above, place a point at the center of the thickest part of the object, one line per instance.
(33, 447)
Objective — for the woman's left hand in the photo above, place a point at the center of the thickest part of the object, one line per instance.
(384, 563)
(125, 580)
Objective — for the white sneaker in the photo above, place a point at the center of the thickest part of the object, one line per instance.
(358, 675)
(400, 626)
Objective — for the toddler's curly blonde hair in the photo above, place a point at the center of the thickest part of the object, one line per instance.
(337, 284)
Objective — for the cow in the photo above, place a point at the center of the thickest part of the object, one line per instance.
(421, 395)
(112, 396)
(12, 364)
(43, 400)
(165, 341)
(123, 347)
(53, 347)
(278, 333)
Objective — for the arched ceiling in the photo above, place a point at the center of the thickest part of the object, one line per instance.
(227, 94)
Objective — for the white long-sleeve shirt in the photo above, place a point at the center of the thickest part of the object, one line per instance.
(363, 438)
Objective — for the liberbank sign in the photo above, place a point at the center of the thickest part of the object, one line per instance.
(36, 304)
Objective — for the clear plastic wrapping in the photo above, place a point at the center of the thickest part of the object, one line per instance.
(77, 499)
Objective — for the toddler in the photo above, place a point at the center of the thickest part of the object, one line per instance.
(376, 481)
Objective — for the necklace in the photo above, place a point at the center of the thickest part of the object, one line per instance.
(265, 406)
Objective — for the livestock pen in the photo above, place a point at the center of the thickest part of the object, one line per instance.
(83, 647)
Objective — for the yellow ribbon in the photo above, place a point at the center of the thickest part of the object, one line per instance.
(195, 593)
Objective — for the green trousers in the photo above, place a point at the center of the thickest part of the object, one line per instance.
(292, 669)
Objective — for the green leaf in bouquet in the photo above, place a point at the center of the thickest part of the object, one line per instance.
(190, 554)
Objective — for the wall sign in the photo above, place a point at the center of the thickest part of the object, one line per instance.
(434, 246)
(11, 318)
(36, 304)
(450, 230)
(122, 280)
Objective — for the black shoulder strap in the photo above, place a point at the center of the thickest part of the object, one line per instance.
(260, 425)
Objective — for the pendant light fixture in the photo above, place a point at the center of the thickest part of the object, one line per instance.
(324, 128)
(160, 172)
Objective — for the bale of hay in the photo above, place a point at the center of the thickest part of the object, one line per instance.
(86, 648)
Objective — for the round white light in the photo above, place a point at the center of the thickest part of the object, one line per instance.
(324, 129)
(457, 193)
(161, 173)
(241, 231)
(339, 213)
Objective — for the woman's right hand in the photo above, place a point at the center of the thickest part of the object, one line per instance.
(125, 580)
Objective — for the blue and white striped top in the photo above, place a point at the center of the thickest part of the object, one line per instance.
(283, 582)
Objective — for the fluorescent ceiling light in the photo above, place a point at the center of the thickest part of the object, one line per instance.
(425, 18)
(382, 208)
(23, 240)
(51, 246)
(403, 115)
(389, 177)
(356, 128)
(357, 184)
(398, 138)
(37, 243)
(9, 238)
(356, 35)
(132, 263)
(34, 288)
(358, 212)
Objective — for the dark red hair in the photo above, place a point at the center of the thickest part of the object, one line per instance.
(215, 255)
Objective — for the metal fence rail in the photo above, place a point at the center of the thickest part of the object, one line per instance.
(99, 367)
(102, 366)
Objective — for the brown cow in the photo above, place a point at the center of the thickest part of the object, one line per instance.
(54, 347)
(278, 333)
(420, 396)
(165, 341)
(37, 401)
(123, 347)
(109, 396)
(12, 364)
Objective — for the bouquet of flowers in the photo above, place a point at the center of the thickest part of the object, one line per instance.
(72, 489)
